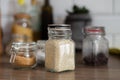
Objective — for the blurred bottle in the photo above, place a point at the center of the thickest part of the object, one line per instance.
(46, 18)
(34, 13)
(1, 37)
(1, 48)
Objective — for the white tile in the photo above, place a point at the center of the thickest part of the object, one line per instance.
(96, 6)
(60, 6)
(110, 39)
(6, 26)
(117, 41)
(111, 22)
(7, 7)
(117, 6)
(114, 40)
(59, 19)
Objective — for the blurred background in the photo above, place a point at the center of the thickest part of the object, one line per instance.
(102, 13)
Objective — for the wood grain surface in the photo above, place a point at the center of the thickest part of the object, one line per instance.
(82, 72)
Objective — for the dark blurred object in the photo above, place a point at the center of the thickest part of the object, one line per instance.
(1, 47)
(1, 37)
(114, 51)
(46, 18)
(78, 10)
(78, 19)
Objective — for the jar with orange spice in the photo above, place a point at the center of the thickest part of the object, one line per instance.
(22, 25)
(23, 55)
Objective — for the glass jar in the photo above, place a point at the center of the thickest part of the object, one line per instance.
(59, 49)
(95, 46)
(15, 38)
(22, 25)
(23, 55)
(40, 55)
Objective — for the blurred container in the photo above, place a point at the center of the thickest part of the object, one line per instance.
(22, 25)
(1, 34)
(78, 22)
(1, 47)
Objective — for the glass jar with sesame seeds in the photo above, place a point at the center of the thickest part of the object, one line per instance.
(59, 49)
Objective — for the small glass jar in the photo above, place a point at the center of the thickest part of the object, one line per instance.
(23, 55)
(22, 25)
(59, 49)
(40, 55)
(95, 46)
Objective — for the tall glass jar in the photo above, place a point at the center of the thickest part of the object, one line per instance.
(59, 49)
(22, 25)
(23, 55)
(95, 46)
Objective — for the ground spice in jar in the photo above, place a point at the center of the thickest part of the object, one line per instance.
(22, 61)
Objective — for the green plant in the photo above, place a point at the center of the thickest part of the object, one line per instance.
(78, 10)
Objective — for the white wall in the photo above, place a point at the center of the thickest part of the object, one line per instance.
(104, 13)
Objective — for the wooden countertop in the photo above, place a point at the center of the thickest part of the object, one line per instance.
(82, 72)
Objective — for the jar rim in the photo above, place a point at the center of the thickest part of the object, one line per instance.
(27, 43)
(24, 45)
(95, 30)
(59, 25)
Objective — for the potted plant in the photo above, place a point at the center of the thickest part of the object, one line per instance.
(78, 18)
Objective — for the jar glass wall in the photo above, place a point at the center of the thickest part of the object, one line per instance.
(40, 55)
(95, 46)
(59, 49)
(22, 25)
(23, 55)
